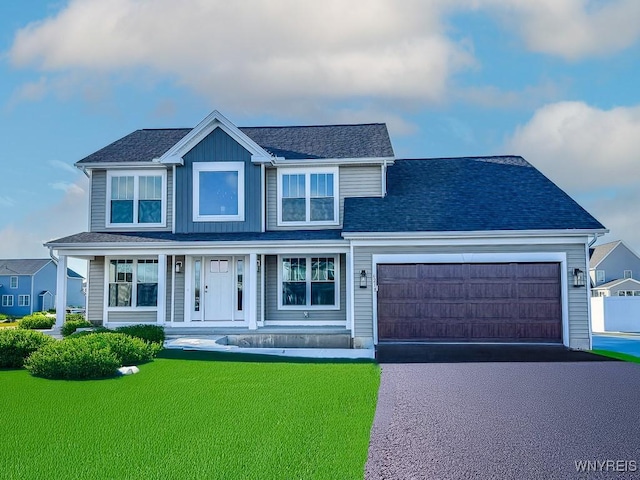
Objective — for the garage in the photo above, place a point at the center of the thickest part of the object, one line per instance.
(469, 302)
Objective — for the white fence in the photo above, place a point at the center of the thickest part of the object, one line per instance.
(615, 314)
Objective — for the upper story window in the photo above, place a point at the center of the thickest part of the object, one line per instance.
(136, 198)
(628, 274)
(13, 282)
(308, 196)
(599, 276)
(218, 191)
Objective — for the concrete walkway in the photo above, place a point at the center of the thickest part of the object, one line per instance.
(505, 421)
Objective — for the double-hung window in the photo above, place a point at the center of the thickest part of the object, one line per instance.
(13, 282)
(24, 300)
(309, 282)
(308, 196)
(133, 283)
(136, 198)
(218, 191)
(7, 300)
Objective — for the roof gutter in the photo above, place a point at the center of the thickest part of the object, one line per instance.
(470, 234)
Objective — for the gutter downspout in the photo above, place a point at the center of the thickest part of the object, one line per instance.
(595, 238)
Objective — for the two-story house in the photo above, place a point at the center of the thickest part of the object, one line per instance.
(29, 285)
(320, 230)
(614, 269)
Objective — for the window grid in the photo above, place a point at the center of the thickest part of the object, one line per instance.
(309, 282)
(13, 282)
(124, 274)
(24, 300)
(7, 300)
(308, 198)
(136, 199)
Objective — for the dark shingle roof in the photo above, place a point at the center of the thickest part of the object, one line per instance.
(323, 141)
(597, 253)
(138, 146)
(22, 266)
(28, 267)
(466, 194)
(154, 237)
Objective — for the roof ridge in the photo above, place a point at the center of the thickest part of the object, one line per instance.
(317, 125)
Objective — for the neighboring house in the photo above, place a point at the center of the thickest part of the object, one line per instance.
(28, 286)
(612, 261)
(320, 229)
(614, 269)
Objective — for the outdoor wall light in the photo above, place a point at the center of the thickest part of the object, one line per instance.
(178, 267)
(578, 278)
(363, 279)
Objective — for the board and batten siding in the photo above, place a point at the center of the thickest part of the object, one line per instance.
(577, 297)
(218, 146)
(98, 202)
(95, 291)
(297, 316)
(354, 181)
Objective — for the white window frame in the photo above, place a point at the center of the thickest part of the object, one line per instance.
(628, 274)
(308, 306)
(307, 172)
(24, 300)
(217, 167)
(600, 276)
(7, 300)
(134, 282)
(136, 187)
(13, 284)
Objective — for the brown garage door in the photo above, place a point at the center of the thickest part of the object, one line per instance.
(497, 302)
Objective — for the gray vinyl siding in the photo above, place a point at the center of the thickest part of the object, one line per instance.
(218, 146)
(354, 181)
(133, 317)
(271, 301)
(95, 290)
(98, 220)
(577, 297)
(619, 260)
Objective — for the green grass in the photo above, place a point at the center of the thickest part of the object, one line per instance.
(619, 356)
(9, 325)
(192, 415)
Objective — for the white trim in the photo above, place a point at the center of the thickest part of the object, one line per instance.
(90, 202)
(61, 291)
(615, 283)
(204, 248)
(251, 301)
(136, 174)
(263, 198)
(308, 280)
(27, 296)
(560, 257)
(161, 300)
(262, 290)
(368, 238)
(588, 287)
(17, 284)
(5, 299)
(618, 243)
(214, 120)
(307, 172)
(172, 315)
(304, 162)
(173, 200)
(199, 167)
(306, 323)
(350, 301)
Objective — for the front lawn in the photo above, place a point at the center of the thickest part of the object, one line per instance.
(191, 415)
(617, 355)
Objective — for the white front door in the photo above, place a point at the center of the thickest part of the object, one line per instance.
(218, 289)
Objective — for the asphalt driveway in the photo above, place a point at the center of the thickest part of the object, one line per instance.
(506, 420)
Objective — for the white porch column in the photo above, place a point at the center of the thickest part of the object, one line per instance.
(252, 309)
(61, 291)
(162, 288)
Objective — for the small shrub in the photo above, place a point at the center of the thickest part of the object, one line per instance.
(129, 350)
(83, 333)
(73, 317)
(73, 359)
(149, 333)
(71, 326)
(17, 345)
(3, 317)
(36, 321)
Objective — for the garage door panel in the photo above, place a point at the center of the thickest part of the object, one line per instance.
(481, 291)
(442, 291)
(439, 272)
(470, 302)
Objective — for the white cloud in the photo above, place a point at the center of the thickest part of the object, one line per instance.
(67, 187)
(571, 29)
(253, 53)
(67, 216)
(590, 153)
(66, 167)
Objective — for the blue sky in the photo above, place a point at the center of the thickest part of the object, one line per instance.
(553, 80)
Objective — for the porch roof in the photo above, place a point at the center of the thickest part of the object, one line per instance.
(93, 238)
